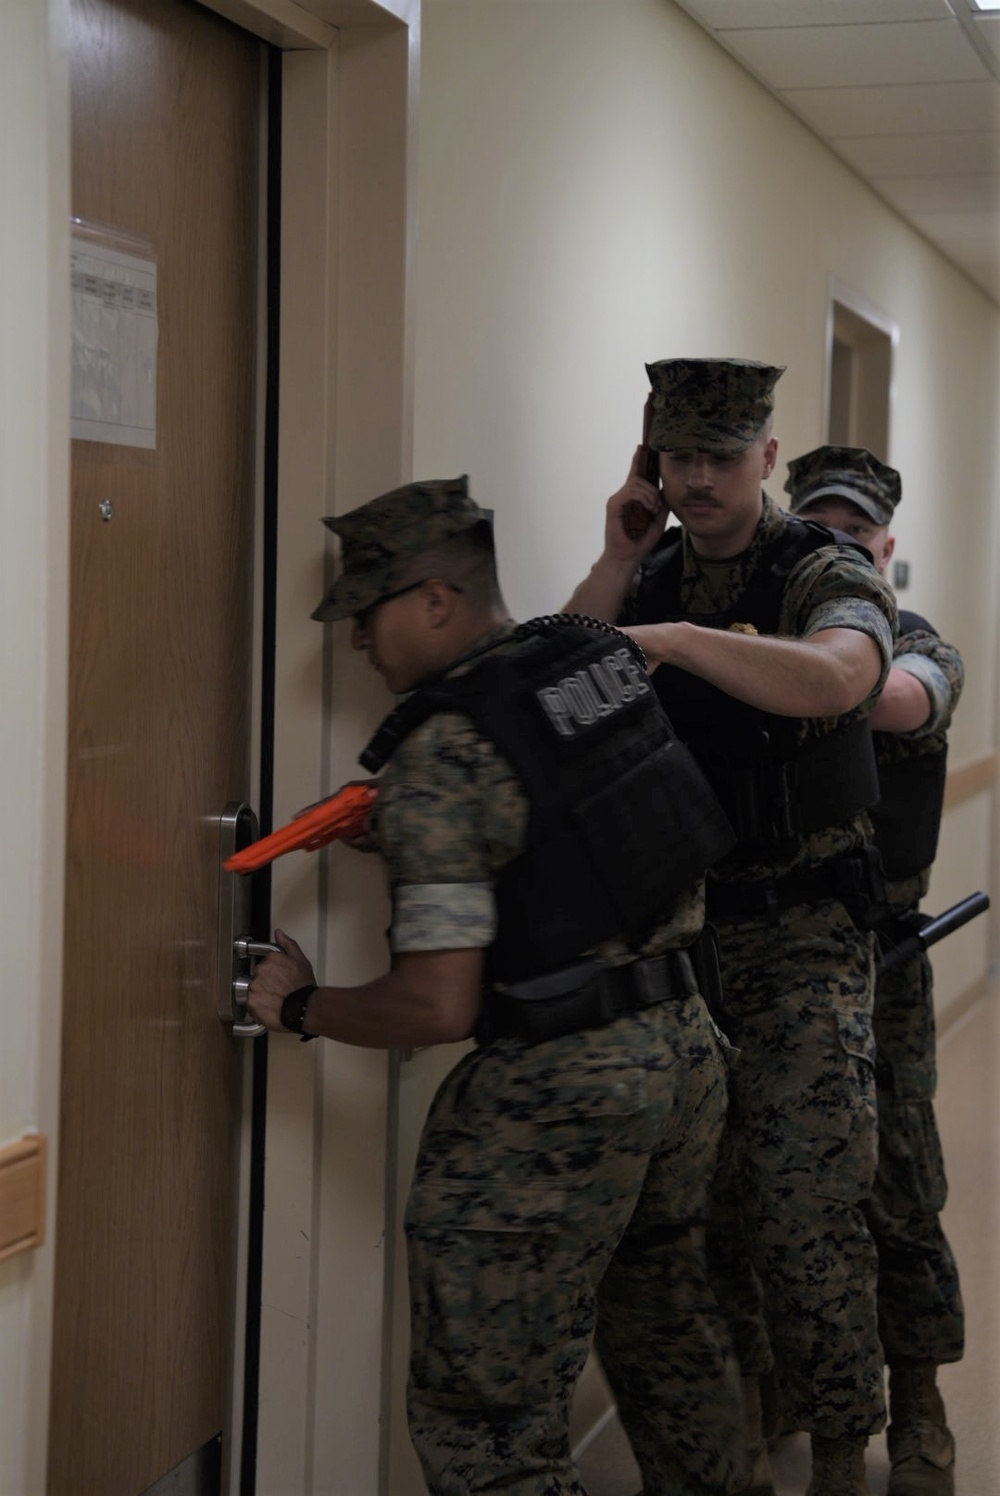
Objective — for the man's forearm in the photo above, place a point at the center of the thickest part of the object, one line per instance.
(825, 675)
(903, 705)
(602, 592)
(393, 1012)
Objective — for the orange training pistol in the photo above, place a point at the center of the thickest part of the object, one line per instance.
(343, 814)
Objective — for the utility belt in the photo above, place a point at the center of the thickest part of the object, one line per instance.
(590, 995)
(855, 879)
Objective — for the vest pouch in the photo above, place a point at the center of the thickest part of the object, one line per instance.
(643, 873)
(907, 819)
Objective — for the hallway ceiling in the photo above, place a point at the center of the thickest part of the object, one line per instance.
(907, 92)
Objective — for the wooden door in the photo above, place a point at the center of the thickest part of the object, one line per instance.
(165, 107)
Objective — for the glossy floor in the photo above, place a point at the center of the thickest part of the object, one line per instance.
(969, 1119)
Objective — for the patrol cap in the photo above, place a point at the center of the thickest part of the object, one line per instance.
(845, 473)
(714, 405)
(381, 539)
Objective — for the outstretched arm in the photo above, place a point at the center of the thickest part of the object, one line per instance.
(824, 675)
(427, 997)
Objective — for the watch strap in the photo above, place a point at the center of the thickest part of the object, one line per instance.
(293, 1010)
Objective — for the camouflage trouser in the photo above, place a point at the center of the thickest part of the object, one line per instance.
(798, 1164)
(557, 1188)
(920, 1305)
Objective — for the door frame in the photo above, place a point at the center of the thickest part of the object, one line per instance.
(346, 334)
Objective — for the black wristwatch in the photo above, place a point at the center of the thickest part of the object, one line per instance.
(293, 1011)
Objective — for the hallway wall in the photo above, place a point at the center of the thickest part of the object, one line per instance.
(600, 184)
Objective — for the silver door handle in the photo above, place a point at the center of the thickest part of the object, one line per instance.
(244, 947)
(246, 950)
(238, 828)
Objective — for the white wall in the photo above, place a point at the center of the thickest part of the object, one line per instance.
(34, 409)
(600, 184)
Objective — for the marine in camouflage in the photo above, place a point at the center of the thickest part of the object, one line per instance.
(793, 1256)
(561, 1189)
(851, 473)
(921, 1316)
(382, 539)
(715, 405)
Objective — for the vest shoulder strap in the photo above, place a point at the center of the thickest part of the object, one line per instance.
(912, 623)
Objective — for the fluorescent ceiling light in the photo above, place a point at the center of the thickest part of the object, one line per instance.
(986, 4)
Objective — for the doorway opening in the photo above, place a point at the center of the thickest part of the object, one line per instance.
(861, 343)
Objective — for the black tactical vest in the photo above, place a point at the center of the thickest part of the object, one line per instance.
(907, 818)
(621, 820)
(774, 787)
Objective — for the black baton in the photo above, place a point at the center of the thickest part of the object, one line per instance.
(935, 929)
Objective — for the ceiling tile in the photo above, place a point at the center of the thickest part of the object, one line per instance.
(963, 153)
(723, 14)
(840, 56)
(901, 110)
(944, 195)
(989, 30)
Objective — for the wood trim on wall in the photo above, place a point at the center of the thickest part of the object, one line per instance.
(22, 1195)
(970, 778)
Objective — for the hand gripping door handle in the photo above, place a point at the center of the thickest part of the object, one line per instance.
(237, 948)
(248, 950)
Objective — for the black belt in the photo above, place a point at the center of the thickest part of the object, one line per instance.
(585, 995)
(854, 878)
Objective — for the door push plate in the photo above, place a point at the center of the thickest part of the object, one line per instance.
(238, 828)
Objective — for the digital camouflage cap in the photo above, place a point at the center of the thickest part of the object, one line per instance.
(714, 405)
(381, 540)
(845, 473)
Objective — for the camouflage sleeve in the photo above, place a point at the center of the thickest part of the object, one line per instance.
(450, 814)
(834, 588)
(938, 667)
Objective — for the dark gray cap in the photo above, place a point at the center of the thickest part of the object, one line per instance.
(714, 405)
(382, 539)
(844, 473)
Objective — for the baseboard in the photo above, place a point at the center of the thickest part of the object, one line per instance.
(22, 1195)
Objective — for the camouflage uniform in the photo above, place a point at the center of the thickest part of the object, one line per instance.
(560, 1188)
(797, 1005)
(920, 1305)
(800, 1153)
